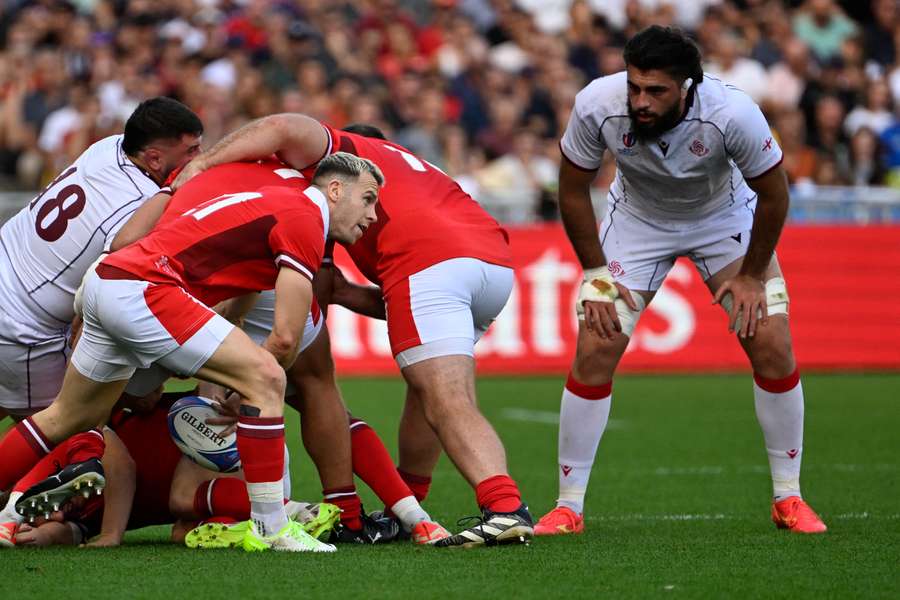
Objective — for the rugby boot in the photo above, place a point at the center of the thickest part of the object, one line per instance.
(795, 514)
(8, 534)
(291, 538)
(560, 521)
(50, 495)
(493, 529)
(374, 531)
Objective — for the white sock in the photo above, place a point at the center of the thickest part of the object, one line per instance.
(9, 514)
(780, 414)
(583, 415)
(286, 475)
(267, 506)
(409, 512)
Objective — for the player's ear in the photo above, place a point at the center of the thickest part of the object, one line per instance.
(335, 188)
(153, 158)
(686, 86)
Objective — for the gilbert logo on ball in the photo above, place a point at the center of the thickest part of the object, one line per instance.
(202, 443)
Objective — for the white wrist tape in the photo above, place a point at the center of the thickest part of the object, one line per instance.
(78, 303)
(777, 301)
(598, 286)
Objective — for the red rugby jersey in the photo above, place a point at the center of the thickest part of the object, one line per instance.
(424, 217)
(233, 243)
(230, 178)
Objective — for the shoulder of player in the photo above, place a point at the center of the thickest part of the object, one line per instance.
(104, 161)
(723, 104)
(293, 201)
(603, 97)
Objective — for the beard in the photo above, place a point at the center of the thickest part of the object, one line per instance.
(662, 123)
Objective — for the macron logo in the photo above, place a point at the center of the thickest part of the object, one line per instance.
(566, 469)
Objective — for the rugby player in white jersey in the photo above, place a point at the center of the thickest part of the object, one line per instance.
(51, 242)
(698, 175)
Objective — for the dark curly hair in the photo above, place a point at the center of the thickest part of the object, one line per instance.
(665, 48)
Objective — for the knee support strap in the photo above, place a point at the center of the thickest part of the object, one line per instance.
(777, 300)
(627, 317)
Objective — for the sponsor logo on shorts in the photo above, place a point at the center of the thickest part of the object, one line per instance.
(698, 148)
(615, 268)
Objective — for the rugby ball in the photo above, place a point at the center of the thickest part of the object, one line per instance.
(200, 442)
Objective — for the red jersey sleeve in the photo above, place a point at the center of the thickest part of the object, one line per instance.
(298, 241)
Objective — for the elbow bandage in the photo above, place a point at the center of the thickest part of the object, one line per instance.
(777, 300)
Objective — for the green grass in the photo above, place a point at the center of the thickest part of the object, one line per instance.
(678, 506)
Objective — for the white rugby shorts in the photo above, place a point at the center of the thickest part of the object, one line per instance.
(444, 309)
(131, 324)
(258, 324)
(31, 374)
(641, 250)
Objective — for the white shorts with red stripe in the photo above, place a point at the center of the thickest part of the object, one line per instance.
(130, 324)
(444, 310)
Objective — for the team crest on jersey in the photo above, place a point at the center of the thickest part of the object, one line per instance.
(698, 148)
(629, 139)
(615, 268)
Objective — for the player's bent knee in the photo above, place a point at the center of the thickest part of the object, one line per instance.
(629, 318)
(267, 379)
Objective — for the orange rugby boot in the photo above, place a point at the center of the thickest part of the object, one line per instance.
(560, 521)
(795, 514)
(425, 533)
(8, 534)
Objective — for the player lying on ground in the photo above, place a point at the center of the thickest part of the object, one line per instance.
(698, 175)
(49, 244)
(150, 303)
(445, 269)
(147, 481)
(311, 387)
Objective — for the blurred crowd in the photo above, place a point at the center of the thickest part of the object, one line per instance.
(480, 88)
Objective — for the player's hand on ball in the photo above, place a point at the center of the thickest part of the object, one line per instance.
(213, 391)
(748, 304)
(228, 409)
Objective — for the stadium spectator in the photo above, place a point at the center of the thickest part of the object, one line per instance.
(457, 77)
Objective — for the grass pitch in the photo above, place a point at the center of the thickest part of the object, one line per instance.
(678, 505)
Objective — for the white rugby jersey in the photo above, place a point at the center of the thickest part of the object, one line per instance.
(50, 243)
(694, 169)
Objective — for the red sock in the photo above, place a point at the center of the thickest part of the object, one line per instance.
(21, 448)
(498, 494)
(85, 446)
(419, 484)
(223, 497)
(260, 443)
(373, 464)
(347, 500)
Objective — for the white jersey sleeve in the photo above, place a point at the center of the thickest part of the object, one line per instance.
(582, 143)
(748, 138)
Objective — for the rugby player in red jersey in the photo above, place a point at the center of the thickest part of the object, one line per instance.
(150, 303)
(445, 271)
(148, 482)
(311, 387)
